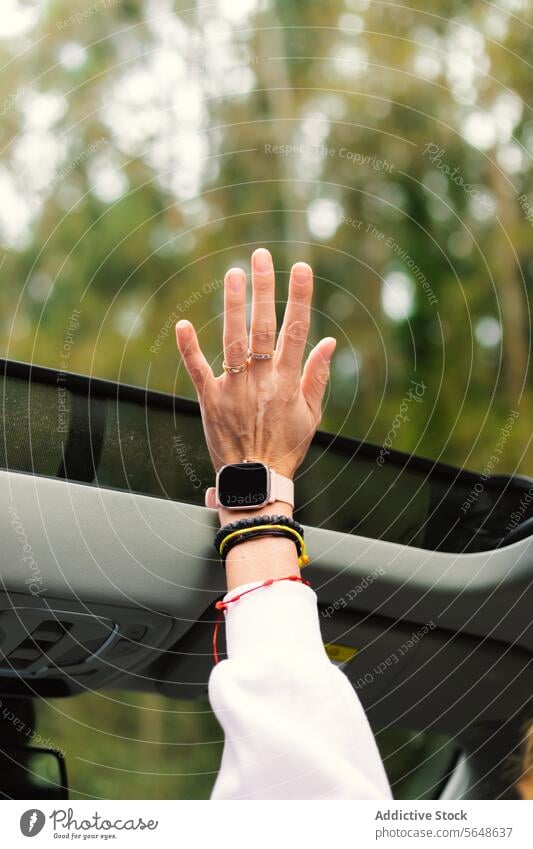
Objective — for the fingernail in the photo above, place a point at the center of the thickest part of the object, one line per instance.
(331, 349)
(301, 272)
(262, 260)
(236, 277)
(182, 324)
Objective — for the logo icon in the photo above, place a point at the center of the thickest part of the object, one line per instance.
(32, 822)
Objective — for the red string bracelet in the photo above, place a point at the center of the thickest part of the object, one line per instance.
(223, 605)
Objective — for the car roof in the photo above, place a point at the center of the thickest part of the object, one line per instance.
(432, 608)
(72, 427)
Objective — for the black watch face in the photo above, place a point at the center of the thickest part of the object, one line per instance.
(243, 485)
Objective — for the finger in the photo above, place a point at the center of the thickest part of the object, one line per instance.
(316, 375)
(295, 327)
(196, 364)
(235, 334)
(263, 324)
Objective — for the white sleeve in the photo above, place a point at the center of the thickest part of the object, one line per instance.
(294, 726)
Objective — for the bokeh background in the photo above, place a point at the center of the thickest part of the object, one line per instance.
(148, 146)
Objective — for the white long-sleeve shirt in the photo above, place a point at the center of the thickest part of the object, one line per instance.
(294, 726)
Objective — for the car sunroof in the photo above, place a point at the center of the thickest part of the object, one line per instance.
(97, 432)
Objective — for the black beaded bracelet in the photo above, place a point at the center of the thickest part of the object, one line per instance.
(251, 522)
(259, 532)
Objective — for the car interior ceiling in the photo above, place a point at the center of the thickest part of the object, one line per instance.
(420, 659)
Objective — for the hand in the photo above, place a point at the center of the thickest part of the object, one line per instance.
(270, 411)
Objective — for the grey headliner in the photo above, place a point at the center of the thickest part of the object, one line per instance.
(103, 545)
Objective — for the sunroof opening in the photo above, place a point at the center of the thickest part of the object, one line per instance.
(121, 437)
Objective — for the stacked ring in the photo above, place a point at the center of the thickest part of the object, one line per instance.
(252, 355)
(234, 369)
(255, 355)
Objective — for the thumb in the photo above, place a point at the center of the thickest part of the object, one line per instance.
(315, 376)
(195, 362)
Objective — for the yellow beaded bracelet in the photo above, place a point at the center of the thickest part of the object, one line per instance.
(303, 558)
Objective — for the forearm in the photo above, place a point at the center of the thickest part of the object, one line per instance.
(262, 558)
(294, 727)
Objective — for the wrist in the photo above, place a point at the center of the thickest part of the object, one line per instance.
(261, 559)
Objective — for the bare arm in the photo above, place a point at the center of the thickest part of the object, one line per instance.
(269, 412)
(294, 727)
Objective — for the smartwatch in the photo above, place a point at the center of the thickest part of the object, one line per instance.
(248, 486)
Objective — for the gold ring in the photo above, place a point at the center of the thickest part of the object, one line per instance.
(254, 355)
(234, 369)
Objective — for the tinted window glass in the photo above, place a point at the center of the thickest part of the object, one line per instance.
(117, 436)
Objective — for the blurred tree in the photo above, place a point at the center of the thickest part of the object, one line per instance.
(148, 146)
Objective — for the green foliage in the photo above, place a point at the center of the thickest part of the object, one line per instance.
(163, 180)
(161, 748)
